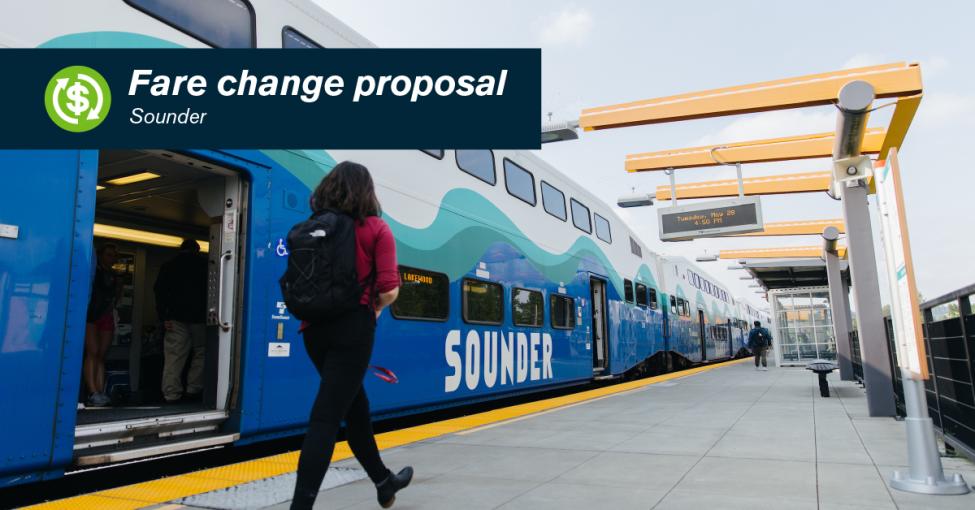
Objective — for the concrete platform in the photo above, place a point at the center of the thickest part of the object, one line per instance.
(726, 437)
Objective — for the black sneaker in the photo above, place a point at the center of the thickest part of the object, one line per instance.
(386, 490)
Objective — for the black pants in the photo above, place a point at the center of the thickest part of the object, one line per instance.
(340, 350)
(761, 354)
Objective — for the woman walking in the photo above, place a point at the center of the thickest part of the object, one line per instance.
(340, 347)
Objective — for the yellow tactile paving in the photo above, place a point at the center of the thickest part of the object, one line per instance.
(166, 489)
(160, 491)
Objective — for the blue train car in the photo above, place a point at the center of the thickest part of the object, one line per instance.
(514, 278)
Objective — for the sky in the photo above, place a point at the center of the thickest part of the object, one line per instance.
(607, 52)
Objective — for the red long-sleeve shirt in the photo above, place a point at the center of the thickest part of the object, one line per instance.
(375, 247)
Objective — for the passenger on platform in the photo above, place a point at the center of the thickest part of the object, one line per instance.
(340, 348)
(181, 302)
(100, 324)
(759, 340)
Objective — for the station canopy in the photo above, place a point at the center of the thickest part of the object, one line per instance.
(790, 273)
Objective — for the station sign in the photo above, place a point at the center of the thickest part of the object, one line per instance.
(710, 219)
(905, 309)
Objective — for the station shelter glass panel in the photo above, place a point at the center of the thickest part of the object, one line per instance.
(802, 325)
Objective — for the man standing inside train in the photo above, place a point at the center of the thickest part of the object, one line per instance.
(759, 340)
(181, 300)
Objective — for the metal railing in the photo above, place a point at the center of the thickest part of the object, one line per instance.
(949, 337)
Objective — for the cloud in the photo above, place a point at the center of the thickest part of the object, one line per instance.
(939, 109)
(572, 25)
(865, 60)
(773, 124)
(934, 66)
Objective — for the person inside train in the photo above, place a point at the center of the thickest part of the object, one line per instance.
(340, 346)
(759, 340)
(181, 302)
(100, 324)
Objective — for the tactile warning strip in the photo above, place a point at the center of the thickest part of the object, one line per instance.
(173, 488)
(267, 492)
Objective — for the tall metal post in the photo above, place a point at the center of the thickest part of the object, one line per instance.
(854, 103)
(838, 303)
(925, 474)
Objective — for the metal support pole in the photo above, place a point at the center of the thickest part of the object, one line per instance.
(838, 303)
(925, 475)
(741, 183)
(673, 186)
(854, 103)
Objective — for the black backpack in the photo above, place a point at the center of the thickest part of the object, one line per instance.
(760, 338)
(321, 280)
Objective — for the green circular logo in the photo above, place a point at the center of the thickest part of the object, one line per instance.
(77, 99)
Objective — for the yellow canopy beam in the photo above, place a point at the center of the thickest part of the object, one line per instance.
(890, 80)
(792, 252)
(798, 228)
(806, 182)
(900, 122)
(819, 145)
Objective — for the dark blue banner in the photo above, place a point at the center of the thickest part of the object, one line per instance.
(272, 98)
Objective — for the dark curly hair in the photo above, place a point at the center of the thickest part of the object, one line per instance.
(347, 188)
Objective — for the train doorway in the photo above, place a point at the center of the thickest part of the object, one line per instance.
(702, 330)
(600, 350)
(168, 232)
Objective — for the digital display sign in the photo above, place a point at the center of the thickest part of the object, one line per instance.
(710, 219)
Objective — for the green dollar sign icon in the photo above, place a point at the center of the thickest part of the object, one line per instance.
(77, 98)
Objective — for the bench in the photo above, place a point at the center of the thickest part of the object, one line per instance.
(822, 368)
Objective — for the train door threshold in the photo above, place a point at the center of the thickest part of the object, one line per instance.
(167, 230)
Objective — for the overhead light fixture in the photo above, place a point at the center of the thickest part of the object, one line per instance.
(99, 187)
(706, 258)
(560, 132)
(636, 200)
(133, 178)
(144, 237)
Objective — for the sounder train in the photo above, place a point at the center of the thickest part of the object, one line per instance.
(515, 279)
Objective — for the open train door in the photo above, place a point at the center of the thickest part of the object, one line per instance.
(702, 329)
(149, 202)
(600, 342)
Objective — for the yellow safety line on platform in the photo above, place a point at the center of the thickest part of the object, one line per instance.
(160, 491)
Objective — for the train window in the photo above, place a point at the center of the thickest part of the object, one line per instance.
(479, 163)
(553, 201)
(562, 311)
(641, 294)
(219, 23)
(580, 216)
(673, 304)
(423, 295)
(293, 39)
(483, 302)
(602, 228)
(520, 182)
(635, 248)
(627, 291)
(527, 308)
(437, 153)
(653, 299)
